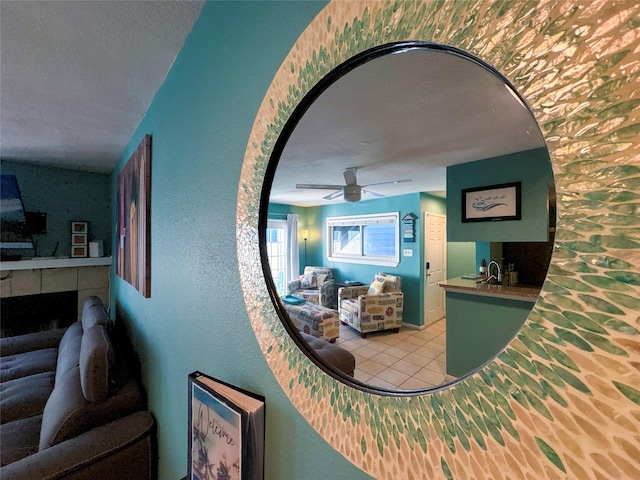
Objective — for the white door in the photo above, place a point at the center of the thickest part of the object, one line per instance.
(435, 255)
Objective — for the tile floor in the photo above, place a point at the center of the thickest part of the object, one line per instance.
(408, 359)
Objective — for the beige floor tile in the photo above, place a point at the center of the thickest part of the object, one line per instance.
(362, 376)
(415, 340)
(407, 347)
(414, 383)
(396, 352)
(380, 347)
(385, 359)
(393, 376)
(429, 376)
(378, 382)
(429, 351)
(371, 367)
(366, 352)
(410, 359)
(406, 367)
(437, 367)
(418, 359)
(388, 339)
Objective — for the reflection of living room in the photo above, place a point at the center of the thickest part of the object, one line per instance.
(462, 257)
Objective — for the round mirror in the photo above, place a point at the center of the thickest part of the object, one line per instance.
(406, 218)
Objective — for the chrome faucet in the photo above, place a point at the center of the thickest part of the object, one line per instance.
(497, 278)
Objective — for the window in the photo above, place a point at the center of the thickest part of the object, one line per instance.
(277, 252)
(370, 239)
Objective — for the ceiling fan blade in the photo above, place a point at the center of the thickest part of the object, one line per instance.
(392, 182)
(318, 186)
(374, 194)
(333, 195)
(350, 176)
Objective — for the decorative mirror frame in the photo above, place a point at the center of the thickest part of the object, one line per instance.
(562, 399)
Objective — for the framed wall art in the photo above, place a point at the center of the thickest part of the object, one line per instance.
(492, 203)
(134, 219)
(79, 239)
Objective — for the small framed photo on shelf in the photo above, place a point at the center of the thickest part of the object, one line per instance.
(78, 251)
(79, 239)
(79, 227)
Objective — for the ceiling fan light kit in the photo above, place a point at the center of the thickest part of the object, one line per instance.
(351, 192)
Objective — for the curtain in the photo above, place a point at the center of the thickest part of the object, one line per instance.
(293, 249)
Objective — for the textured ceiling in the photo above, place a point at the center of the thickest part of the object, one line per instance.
(403, 116)
(76, 77)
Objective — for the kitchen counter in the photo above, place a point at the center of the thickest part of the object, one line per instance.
(471, 287)
(481, 320)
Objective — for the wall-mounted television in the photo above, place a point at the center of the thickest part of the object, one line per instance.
(14, 231)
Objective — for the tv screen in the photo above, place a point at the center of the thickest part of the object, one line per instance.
(13, 226)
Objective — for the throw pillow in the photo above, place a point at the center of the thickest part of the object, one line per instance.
(309, 280)
(376, 287)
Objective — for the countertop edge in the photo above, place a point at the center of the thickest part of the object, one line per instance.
(470, 287)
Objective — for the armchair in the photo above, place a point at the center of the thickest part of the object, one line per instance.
(374, 307)
(316, 286)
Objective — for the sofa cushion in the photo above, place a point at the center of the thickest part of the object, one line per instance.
(332, 354)
(68, 414)
(28, 363)
(31, 341)
(74, 331)
(68, 357)
(19, 439)
(93, 313)
(25, 397)
(96, 357)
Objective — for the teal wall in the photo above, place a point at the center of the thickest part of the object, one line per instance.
(532, 168)
(478, 328)
(196, 318)
(65, 195)
(461, 259)
(409, 268)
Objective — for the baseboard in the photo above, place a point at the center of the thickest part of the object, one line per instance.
(413, 327)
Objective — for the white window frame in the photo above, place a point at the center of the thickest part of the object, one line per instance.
(280, 225)
(362, 220)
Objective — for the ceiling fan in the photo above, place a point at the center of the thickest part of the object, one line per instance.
(352, 192)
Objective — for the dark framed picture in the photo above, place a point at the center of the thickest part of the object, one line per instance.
(492, 203)
(79, 227)
(79, 239)
(133, 251)
(79, 251)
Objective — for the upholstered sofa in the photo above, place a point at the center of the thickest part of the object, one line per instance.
(316, 286)
(332, 354)
(374, 307)
(72, 406)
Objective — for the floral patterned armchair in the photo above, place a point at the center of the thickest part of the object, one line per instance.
(316, 286)
(374, 307)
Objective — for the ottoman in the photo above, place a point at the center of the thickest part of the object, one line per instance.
(321, 322)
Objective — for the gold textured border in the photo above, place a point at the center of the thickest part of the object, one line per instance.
(563, 399)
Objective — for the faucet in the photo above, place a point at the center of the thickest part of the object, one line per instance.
(497, 278)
